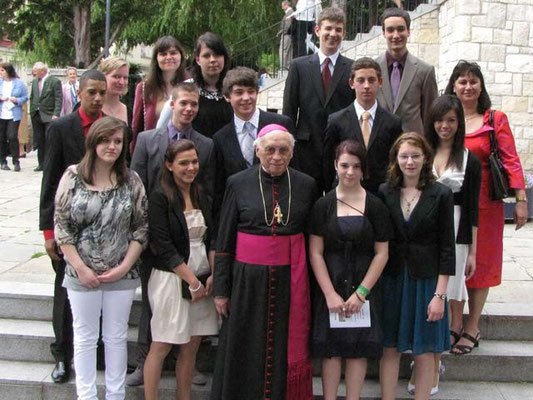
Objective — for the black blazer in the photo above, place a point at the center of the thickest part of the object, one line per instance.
(425, 244)
(228, 155)
(65, 145)
(468, 199)
(344, 125)
(169, 236)
(304, 100)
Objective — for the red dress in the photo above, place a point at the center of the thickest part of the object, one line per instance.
(491, 217)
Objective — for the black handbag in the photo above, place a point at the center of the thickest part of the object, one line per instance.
(499, 180)
(185, 292)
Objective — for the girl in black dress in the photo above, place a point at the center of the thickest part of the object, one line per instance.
(348, 251)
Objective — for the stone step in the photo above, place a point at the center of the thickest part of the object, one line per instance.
(31, 381)
(33, 301)
(495, 360)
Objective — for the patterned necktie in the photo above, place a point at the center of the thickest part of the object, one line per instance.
(365, 127)
(73, 95)
(326, 75)
(248, 143)
(395, 79)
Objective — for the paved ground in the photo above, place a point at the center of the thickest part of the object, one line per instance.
(21, 243)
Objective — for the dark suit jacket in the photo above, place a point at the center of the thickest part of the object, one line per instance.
(50, 101)
(418, 89)
(169, 234)
(344, 125)
(65, 145)
(426, 244)
(305, 102)
(149, 154)
(229, 158)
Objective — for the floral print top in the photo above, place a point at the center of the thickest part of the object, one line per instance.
(101, 225)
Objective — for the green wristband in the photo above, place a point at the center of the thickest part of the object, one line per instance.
(363, 290)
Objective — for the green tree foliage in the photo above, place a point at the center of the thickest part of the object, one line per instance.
(46, 29)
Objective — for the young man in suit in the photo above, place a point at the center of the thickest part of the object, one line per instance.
(365, 121)
(147, 161)
(66, 146)
(409, 84)
(317, 86)
(46, 100)
(147, 158)
(234, 146)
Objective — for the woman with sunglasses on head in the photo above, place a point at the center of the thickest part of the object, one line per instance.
(467, 83)
(422, 257)
(210, 65)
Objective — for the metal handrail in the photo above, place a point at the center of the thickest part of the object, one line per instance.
(263, 50)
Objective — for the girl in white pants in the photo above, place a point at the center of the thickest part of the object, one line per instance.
(101, 227)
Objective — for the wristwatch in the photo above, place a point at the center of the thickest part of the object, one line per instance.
(440, 296)
(518, 198)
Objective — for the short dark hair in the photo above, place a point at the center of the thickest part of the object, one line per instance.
(10, 70)
(395, 175)
(395, 12)
(189, 87)
(215, 43)
(352, 147)
(441, 106)
(100, 130)
(241, 76)
(463, 68)
(91, 74)
(166, 179)
(334, 14)
(363, 63)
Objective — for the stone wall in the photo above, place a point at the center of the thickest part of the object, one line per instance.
(497, 34)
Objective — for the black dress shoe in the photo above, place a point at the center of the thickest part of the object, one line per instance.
(38, 168)
(4, 167)
(61, 372)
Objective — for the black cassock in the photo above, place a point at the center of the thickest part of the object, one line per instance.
(263, 348)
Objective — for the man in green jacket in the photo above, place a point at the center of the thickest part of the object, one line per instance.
(46, 99)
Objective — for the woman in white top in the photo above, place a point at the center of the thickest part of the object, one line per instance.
(13, 95)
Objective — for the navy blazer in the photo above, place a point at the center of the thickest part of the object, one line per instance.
(426, 243)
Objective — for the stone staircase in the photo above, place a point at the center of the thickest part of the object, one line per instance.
(501, 368)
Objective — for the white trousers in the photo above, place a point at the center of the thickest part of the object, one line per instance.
(114, 306)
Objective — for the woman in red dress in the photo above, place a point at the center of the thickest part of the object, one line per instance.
(467, 83)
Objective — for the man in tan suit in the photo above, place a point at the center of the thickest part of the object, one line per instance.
(409, 84)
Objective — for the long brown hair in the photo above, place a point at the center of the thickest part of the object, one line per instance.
(166, 178)
(395, 175)
(155, 85)
(100, 130)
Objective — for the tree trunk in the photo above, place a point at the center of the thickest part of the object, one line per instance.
(82, 33)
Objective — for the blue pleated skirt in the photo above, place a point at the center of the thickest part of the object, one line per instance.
(405, 304)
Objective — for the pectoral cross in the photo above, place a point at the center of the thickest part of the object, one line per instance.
(278, 214)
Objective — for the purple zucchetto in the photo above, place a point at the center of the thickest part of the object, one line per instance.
(270, 128)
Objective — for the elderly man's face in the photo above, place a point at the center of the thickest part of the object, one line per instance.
(275, 152)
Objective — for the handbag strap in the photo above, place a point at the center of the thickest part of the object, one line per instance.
(492, 134)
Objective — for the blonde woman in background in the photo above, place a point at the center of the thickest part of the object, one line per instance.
(116, 71)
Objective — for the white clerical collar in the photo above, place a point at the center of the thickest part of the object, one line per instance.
(239, 123)
(360, 110)
(332, 58)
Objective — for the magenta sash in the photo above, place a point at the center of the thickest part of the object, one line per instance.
(287, 250)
